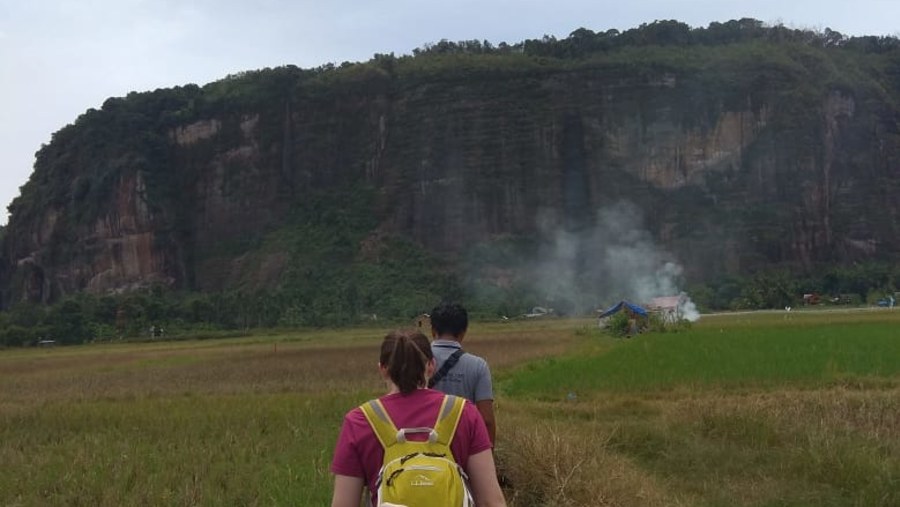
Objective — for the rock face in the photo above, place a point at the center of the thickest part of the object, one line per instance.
(727, 182)
(117, 252)
(125, 256)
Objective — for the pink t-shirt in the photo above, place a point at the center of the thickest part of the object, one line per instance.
(359, 454)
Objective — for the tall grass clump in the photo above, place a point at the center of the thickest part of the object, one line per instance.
(564, 463)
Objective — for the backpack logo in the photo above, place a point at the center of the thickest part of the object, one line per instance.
(421, 480)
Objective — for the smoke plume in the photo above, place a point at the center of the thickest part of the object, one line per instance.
(614, 259)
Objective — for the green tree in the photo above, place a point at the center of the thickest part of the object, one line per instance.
(771, 289)
(67, 324)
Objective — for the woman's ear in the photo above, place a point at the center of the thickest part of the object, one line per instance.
(430, 368)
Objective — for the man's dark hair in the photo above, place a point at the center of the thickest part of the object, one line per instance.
(449, 318)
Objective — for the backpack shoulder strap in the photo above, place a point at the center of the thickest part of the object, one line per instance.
(448, 418)
(380, 422)
(445, 368)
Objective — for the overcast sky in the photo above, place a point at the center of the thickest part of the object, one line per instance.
(60, 57)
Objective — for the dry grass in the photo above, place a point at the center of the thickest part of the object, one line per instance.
(252, 421)
(298, 363)
(248, 421)
(700, 448)
(568, 463)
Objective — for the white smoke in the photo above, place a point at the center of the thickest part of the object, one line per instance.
(688, 310)
(615, 259)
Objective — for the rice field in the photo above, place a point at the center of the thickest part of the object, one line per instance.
(729, 352)
(749, 410)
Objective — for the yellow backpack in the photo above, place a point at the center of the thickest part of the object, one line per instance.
(420, 474)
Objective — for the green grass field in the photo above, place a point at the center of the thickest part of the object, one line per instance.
(749, 410)
(729, 353)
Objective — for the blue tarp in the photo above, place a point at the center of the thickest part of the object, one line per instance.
(624, 304)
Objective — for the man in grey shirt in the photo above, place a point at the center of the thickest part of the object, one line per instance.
(470, 376)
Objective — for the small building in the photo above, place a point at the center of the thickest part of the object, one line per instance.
(669, 308)
(637, 316)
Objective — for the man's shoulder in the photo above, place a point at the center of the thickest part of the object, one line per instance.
(474, 357)
(473, 361)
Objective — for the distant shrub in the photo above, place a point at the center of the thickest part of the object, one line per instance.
(618, 324)
(679, 326)
(15, 336)
(656, 323)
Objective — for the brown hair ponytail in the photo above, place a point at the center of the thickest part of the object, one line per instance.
(405, 355)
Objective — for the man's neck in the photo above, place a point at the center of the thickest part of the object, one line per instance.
(448, 338)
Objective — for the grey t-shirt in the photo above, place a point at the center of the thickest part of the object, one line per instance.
(470, 377)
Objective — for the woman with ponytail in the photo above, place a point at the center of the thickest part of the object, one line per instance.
(406, 363)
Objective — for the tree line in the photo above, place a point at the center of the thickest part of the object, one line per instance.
(158, 312)
(583, 41)
(858, 284)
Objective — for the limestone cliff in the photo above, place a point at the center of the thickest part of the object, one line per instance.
(188, 188)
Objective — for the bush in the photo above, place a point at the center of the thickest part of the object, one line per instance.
(618, 325)
(658, 324)
(15, 336)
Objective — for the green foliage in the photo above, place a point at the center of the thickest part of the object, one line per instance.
(619, 325)
(661, 33)
(332, 279)
(774, 289)
(777, 288)
(26, 314)
(251, 90)
(23, 324)
(67, 323)
(16, 336)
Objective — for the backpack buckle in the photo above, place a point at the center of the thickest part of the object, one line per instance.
(432, 434)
